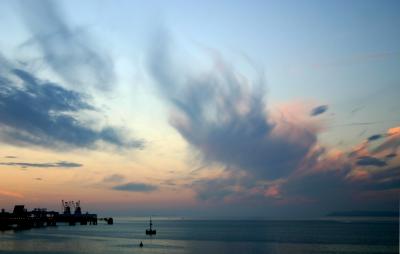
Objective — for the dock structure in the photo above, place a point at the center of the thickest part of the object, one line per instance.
(21, 218)
(77, 217)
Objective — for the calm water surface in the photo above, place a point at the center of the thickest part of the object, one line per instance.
(208, 237)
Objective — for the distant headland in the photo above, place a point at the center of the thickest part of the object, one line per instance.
(364, 214)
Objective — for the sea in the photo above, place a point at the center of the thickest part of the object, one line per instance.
(209, 236)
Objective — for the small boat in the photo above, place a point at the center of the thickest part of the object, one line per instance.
(150, 231)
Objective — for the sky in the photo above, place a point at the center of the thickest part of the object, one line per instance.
(200, 108)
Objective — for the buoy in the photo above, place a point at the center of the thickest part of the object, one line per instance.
(141, 244)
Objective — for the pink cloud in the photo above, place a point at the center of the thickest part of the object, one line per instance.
(272, 191)
(11, 194)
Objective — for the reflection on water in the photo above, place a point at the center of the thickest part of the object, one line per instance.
(208, 236)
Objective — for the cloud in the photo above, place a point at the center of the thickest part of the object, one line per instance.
(333, 189)
(71, 53)
(319, 110)
(383, 180)
(356, 109)
(135, 187)
(269, 156)
(392, 141)
(223, 115)
(60, 164)
(370, 161)
(11, 194)
(390, 155)
(43, 113)
(10, 157)
(115, 178)
(375, 137)
(326, 187)
(336, 180)
(214, 189)
(357, 124)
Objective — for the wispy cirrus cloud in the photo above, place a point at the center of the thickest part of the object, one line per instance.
(71, 53)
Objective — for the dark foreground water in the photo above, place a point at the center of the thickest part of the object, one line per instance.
(208, 237)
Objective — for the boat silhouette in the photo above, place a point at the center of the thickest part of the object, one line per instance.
(151, 231)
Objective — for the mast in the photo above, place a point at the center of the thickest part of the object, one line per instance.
(151, 224)
(150, 231)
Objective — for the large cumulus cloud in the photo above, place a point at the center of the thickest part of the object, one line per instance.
(224, 115)
(270, 156)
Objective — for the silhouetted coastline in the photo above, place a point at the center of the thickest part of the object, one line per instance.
(364, 214)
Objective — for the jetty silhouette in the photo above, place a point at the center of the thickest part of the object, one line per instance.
(21, 218)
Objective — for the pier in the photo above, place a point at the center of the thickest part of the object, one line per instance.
(21, 218)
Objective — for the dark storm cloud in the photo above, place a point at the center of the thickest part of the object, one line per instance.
(43, 113)
(135, 187)
(375, 137)
(384, 180)
(327, 187)
(332, 188)
(370, 161)
(60, 164)
(72, 54)
(223, 115)
(327, 184)
(319, 110)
